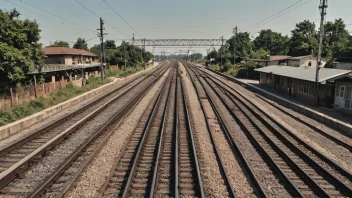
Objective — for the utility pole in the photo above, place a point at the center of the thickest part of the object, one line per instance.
(323, 6)
(124, 51)
(102, 54)
(234, 45)
(222, 43)
(145, 57)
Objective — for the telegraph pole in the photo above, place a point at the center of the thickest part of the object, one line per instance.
(124, 51)
(145, 57)
(102, 54)
(323, 6)
(222, 43)
(234, 45)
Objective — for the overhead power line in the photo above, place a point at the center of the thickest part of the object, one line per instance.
(99, 17)
(277, 15)
(62, 18)
(122, 18)
(87, 8)
(45, 16)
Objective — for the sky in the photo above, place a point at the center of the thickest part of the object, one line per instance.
(173, 19)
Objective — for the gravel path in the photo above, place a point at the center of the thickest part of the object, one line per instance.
(270, 183)
(330, 149)
(94, 176)
(55, 157)
(212, 180)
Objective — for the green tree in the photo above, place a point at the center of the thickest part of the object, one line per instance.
(109, 44)
(304, 39)
(20, 51)
(259, 54)
(243, 45)
(60, 44)
(336, 39)
(81, 43)
(95, 50)
(273, 42)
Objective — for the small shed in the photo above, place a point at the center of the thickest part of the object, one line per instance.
(300, 82)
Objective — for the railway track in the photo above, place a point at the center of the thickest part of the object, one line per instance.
(337, 140)
(334, 139)
(160, 159)
(13, 153)
(305, 171)
(119, 104)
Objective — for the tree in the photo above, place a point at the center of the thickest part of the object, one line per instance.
(95, 50)
(20, 51)
(243, 44)
(259, 54)
(336, 39)
(60, 44)
(81, 43)
(273, 42)
(304, 39)
(109, 44)
(148, 56)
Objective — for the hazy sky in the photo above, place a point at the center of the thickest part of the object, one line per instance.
(172, 19)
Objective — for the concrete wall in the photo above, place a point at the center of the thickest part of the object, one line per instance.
(345, 66)
(329, 121)
(294, 63)
(303, 61)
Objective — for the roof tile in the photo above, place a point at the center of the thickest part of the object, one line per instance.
(66, 51)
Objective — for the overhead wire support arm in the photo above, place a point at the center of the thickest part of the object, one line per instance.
(177, 42)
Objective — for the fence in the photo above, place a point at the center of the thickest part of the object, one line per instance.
(18, 95)
(113, 67)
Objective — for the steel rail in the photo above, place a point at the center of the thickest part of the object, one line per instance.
(338, 183)
(11, 173)
(194, 150)
(323, 133)
(306, 158)
(150, 115)
(223, 170)
(236, 149)
(23, 141)
(316, 129)
(259, 147)
(176, 169)
(116, 118)
(141, 144)
(341, 170)
(156, 162)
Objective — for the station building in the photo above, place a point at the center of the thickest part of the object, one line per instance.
(66, 64)
(335, 85)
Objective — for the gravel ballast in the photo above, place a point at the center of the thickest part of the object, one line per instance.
(94, 176)
(271, 184)
(330, 149)
(55, 157)
(212, 180)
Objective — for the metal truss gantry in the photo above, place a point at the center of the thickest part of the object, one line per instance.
(177, 42)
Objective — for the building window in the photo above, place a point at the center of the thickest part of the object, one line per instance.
(342, 91)
(303, 87)
(310, 63)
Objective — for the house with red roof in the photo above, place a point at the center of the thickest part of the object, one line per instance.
(68, 64)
